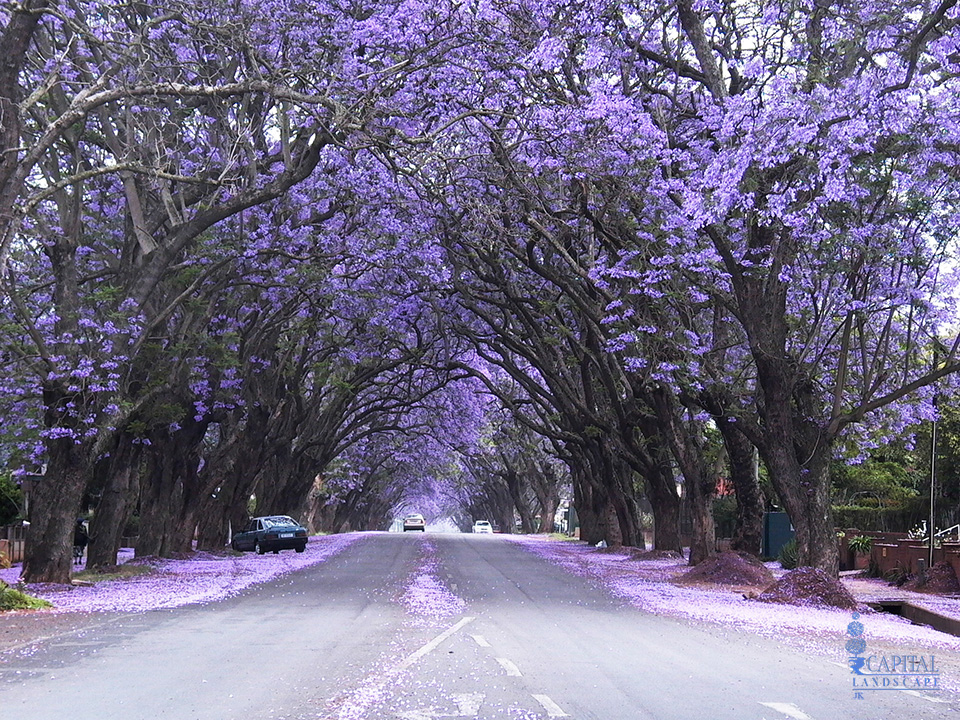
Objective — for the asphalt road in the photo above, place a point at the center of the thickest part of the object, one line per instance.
(334, 642)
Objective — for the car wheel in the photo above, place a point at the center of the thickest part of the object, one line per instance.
(300, 548)
(259, 548)
(276, 552)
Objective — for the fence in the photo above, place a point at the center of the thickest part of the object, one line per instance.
(908, 556)
(12, 539)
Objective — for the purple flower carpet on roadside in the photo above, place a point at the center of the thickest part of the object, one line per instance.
(202, 578)
(647, 584)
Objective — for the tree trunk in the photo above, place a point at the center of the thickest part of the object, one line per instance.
(224, 507)
(286, 483)
(651, 461)
(742, 457)
(54, 504)
(686, 442)
(548, 496)
(116, 502)
(169, 496)
(625, 505)
(703, 544)
(611, 523)
(591, 530)
(515, 486)
(665, 505)
(797, 453)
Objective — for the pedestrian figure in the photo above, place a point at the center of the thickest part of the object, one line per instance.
(80, 540)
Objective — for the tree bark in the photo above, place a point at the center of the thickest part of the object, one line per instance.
(169, 496)
(797, 453)
(117, 501)
(687, 445)
(742, 458)
(544, 484)
(54, 505)
(514, 482)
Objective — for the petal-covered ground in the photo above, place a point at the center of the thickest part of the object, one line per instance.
(648, 584)
(202, 578)
(645, 583)
(426, 596)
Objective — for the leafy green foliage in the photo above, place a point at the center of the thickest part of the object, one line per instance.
(884, 493)
(13, 599)
(11, 499)
(789, 556)
(860, 544)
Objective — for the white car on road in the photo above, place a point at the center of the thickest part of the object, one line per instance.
(482, 526)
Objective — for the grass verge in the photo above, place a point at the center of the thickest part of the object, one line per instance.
(113, 572)
(13, 599)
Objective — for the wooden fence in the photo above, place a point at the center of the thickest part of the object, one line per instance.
(12, 539)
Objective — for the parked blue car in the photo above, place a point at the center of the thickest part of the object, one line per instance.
(271, 533)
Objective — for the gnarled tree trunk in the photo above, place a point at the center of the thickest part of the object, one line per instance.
(117, 501)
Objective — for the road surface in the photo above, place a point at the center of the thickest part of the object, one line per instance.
(527, 641)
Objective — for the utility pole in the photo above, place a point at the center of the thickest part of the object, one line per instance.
(933, 487)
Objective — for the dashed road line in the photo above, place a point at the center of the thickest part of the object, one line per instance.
(468, 704)
(481, 641)
(358, 702)
(788, 709)
(509, 667)
(432, 645)
(553, 710)
(920, 695)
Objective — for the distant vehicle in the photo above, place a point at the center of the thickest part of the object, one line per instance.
(414, 522)
(482, 526)
(271, 533)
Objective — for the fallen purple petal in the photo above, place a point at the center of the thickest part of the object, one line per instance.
(202, 578)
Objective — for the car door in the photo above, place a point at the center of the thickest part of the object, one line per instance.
(248, 538)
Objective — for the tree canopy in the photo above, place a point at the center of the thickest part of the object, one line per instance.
(347, 259)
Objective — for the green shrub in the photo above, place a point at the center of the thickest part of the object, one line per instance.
(789, 556)
(860, 544)
(11, 499)
(13, 599)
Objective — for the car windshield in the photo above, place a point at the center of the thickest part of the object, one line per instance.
(278, 522)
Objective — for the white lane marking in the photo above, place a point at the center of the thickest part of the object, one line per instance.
(788, 710)
(510, 668)
(371, 690)
(481, 641)
(468, 704)
(432, 645)
(553, 710)
(429, 713)
(923, 697)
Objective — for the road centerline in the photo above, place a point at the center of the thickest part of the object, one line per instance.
(787, 709)
(511, 669)
(433, 644)
(552, 709)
